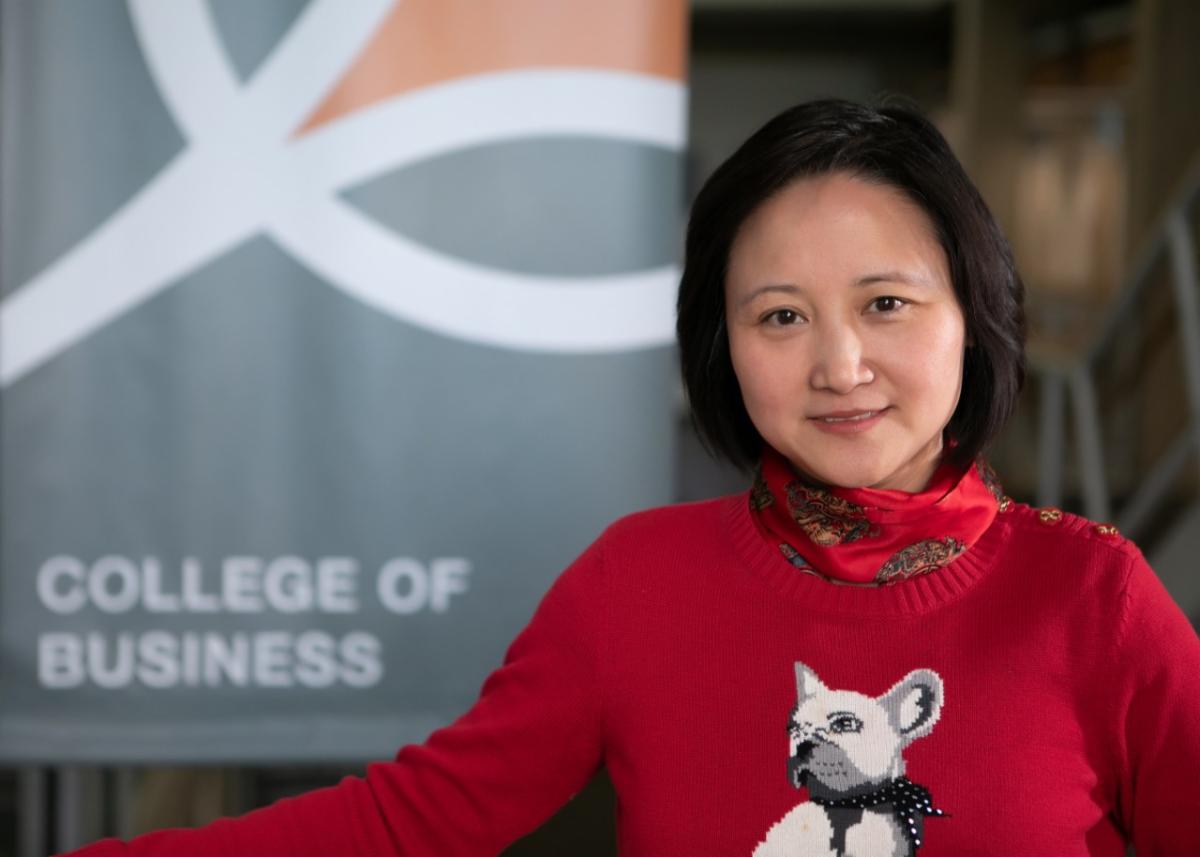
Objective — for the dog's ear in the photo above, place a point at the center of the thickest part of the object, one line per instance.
(807, 683)
(914, 704)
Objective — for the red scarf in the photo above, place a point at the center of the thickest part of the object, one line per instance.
(873, 536)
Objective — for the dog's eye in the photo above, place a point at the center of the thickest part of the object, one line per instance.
(845, 723)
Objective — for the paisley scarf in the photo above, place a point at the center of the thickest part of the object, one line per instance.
(872, 536)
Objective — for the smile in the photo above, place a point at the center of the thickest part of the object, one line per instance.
(849, 423)
(863, 416)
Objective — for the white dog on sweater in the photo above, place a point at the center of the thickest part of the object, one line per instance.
(846, 747)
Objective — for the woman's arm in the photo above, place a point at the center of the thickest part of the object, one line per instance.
(531, 741)
(1157, 689)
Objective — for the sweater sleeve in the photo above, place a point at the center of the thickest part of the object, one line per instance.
(528, 744)
(1158, 704)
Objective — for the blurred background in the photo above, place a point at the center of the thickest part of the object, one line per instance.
(1077, 119)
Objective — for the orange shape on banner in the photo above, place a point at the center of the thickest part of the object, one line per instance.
(423, 42)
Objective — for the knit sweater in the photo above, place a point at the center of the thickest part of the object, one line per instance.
(1039, 695)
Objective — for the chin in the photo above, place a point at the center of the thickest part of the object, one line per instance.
(848, 477)
(837, 467)
(858, 462)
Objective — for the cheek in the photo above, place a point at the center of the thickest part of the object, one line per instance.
(936, 370)
(748, 366)
(769, 382)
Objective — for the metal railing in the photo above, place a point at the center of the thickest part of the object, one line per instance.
(1073, 376)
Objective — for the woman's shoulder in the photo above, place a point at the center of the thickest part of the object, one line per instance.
(1050, 524)
(1056, 541)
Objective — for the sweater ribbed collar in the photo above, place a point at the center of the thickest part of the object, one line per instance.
(868, 536)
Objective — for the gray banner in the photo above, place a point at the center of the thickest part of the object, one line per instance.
(255, 507)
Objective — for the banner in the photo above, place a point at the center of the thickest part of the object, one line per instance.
(330, 332)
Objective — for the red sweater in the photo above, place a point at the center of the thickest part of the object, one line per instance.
(1043, 688)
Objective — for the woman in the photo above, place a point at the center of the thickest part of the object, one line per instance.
(957, 673)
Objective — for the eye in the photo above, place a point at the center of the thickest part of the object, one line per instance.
(845, 723)
(888, 303)
(782, 317)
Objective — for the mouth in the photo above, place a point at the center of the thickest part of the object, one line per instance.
(849, 422)
(798, 766)
(798, 772)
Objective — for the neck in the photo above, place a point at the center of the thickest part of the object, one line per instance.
(818, 791)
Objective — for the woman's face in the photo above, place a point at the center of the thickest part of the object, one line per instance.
(845, 333)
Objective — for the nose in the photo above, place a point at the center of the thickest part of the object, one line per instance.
(838, 365)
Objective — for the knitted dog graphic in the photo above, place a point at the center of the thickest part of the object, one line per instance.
(846, 747)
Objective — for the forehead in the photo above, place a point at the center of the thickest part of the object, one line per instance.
(822, 705)
(834, 228)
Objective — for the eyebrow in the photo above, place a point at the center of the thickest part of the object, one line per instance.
(865, 280)
(763, 290)
(893, 277)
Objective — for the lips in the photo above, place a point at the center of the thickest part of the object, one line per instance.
(848, 422)
(848, 416)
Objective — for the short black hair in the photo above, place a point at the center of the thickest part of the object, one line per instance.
(892, 145)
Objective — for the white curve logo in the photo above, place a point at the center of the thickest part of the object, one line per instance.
(240, 175)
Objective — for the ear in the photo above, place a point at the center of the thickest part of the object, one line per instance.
(914, 704)
(807, 683)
